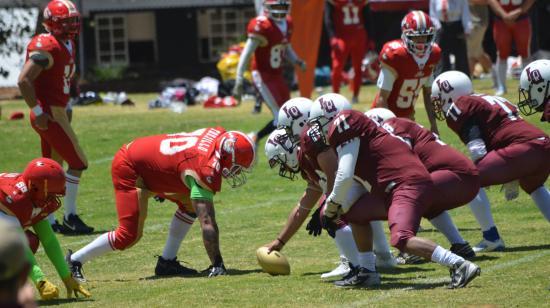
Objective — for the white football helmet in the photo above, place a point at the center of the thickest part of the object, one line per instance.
(293, 117)
(380, 114)
(447, 88)
(280, 151)
(277, 9)
(534, 87)
(324, 109)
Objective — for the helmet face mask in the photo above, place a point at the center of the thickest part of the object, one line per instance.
(418, 33)
(277, 9)
(280, 151)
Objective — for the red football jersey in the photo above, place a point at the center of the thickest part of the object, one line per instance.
(160, 160)
(434, 153)
(383, 157)
(497, 118)
(347, 17)
(53, 85)
(268, 57)
(15, 200)
(409, 76)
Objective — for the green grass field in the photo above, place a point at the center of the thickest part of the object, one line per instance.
(252, 215)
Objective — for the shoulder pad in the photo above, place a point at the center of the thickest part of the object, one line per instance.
(43, 42)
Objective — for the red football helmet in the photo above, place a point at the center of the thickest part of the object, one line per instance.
(276, 9)
(237, 155)
(45, 180)
(62, 19)
(418, 33)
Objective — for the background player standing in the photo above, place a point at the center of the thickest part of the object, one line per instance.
(269, 41)
(344, 21)
(45, 85)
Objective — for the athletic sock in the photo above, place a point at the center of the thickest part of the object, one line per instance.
(482, 212)
(98, 247)
(502, 66)
(70, 195)
(445, 225)
(380, 244)
(346, 244)
(367, 260)
(541, 196)
(268, 128)
(179, 227)
(445, 257)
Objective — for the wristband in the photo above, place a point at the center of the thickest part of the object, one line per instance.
(37, 110)
(280, 240)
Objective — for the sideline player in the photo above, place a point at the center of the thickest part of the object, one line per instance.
(388, 168)
(512, 22)
(407, 65)
(45, 82)
(185, 167)
(505, 148)
(534, 89)
(269, 41)
(345, 24)
(26, 199)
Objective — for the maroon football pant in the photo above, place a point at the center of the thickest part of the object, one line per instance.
(528, 162)
(451, 190)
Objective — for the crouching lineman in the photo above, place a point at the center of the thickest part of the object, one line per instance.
(184, 166)
(505, 148)
(280, 151)
(534, 89)
(26, 199)
(387, 167)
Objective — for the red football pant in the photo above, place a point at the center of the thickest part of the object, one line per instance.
(60, 137)
(520, 32)
(408, 204)
(451, 190)
(356, 47)
(528, 162)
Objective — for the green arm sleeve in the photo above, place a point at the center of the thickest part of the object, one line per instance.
(52, 247)
(36, 273)
(197, 192)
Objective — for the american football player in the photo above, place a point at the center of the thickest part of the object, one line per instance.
(44, 83)
(184, 167)
(344, 21)
(386, 165)
(534, 89)
(269, 42)
(407, 65)
(291, 161)
(505, 148)
(512, 22)
(26, 199)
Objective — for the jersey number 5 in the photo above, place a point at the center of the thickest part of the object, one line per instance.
(409, 92)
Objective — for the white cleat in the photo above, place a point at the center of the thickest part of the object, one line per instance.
(385, 260)
(342, 269)
(500, 91)
(486, 246)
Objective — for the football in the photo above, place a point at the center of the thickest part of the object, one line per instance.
(274, 263)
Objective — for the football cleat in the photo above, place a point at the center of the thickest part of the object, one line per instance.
(74, 225)
(342, 269)
(500, 91)
(75, 267)
(57, 227)
(405, 258)
(486, 245)
(359, 277)
(464, 250)
(462, 273)
(172, 268)
(385, 260)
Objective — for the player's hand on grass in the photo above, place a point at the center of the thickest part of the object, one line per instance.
(74, 288)
(314, 226)
(47, 290)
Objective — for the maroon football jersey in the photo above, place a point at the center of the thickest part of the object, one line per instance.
(53, 84)
(546, 113)
(268, 57)
(347, 17)
(160, 160)
(15, 200)
(383, 157)
(434, 153)
(497, 118)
